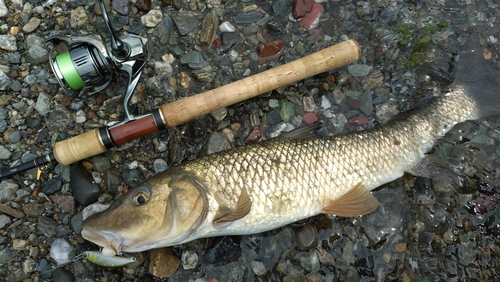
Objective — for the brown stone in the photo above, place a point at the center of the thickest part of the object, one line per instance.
(11, 211)
(300, 8)
(209, 28)
(163, 263)
(143, 5)
(270, 51)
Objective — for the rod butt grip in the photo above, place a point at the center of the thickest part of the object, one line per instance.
(79, 147)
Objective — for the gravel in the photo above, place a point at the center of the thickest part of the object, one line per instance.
(442, 229)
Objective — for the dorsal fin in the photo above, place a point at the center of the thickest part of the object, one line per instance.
(358, 201)
(243, 206)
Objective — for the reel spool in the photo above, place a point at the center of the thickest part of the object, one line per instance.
(90, 65)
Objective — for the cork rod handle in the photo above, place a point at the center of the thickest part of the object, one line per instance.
(186, 109)
(172, 114)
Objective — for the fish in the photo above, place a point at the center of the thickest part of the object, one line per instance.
(264, 186)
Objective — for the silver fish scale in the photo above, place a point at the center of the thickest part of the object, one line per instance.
(291, 179)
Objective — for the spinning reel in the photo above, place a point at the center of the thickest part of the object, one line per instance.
(91, 65)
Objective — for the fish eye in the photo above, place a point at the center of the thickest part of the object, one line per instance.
(141, 197)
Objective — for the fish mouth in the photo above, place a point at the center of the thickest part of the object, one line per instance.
(111, 242)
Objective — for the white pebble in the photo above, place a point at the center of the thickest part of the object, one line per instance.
(189, 259)
(226, 27)
(60, 251)
(152, 18)
(258, 268)
(80, 116)
(233, 55)
(133, 165)
(325, 102)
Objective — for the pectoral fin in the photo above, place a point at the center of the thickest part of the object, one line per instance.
(242, 208)
(358, 201)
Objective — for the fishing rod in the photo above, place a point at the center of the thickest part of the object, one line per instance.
(100, 140)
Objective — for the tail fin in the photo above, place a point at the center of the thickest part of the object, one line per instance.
(478, 78)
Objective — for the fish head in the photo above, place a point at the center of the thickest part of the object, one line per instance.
(162, 211)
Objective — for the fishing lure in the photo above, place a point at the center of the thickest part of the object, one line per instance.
(99, 259)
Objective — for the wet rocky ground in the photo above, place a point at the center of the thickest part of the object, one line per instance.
(442, 229)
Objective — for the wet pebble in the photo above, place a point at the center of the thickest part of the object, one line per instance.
(226, 27)
(163, 263)
(254, 136)
(62, 275)
(258, 268)
(8, 191)
(101, 163)
(223, 249)
(209, 28)
(4, 153)
(4, 11)
(60, 251)
(12, 211)
(306, 237)
(273, 117)
(33, 209)
(52, 186)
(286, 110)
(310, 262)
(82, 186)
(65, 202)
(189, 259)
(325, 102)
(270, 51)
(217, 142)
(300, 8)
(247, 18)
(29, 265)
(5, 255)
(276, 130)
(160, 165)
(4, 221)
(47, 226)
(311, 20)
(310, 118)
(8, 43)
(122, 7)
(15, 136)
(359, 70)
(32, 24)
(143, 5)
(219, 114)
(185, 22)
(152, 18)
(295, 275)
(132, 177)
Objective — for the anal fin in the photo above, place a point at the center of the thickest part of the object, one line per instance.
(243, 206)
(357, 201)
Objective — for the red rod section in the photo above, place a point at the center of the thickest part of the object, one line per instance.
(133, 129)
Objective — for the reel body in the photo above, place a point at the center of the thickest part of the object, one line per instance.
(90, 65)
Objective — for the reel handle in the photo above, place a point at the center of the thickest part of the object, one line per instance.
(172, 114)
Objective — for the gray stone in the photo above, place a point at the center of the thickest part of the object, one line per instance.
(8, 191)
(5, 81)
(37, 55)
(160, 165)
(366, 103)
(217, 142)
(359, 70)
(29, 265)
(62, 275)
(47, 226)
(101, 163)
(8, 42)
(5, 255)
(76, 222)
(43, 103)
(247, 18)
(33, 209)
(4, 153)
(3, 112)
(185, 23)
(194, 60)
(4, 11)
(52, 186)
(4, 221)
(3, 126)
